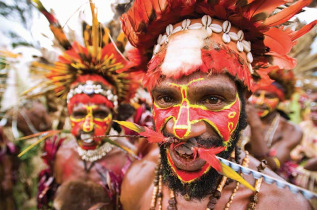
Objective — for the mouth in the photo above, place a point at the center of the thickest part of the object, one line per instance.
(86, 140)
(184, 157)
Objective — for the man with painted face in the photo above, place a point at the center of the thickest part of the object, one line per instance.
(93, 80)
(272, 136)
(199, 77)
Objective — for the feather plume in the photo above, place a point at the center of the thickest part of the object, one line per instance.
(131, 126)
(286, 14)
(153, 136)
(49, 134)
(297, 34)
(230, 173)
(209, 155)
(264, 7)
(278, 41)
(54, 25)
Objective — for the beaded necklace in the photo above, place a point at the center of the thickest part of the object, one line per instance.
(157, 196)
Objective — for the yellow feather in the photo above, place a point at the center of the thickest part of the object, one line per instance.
(36, 143)
(230, 173)
(131, 126)
(122, 38)
(117, 144)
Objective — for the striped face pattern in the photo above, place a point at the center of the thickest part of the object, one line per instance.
(184, 114)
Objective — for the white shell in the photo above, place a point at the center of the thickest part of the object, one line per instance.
(209, 31)
(249, 57)
(206, 20)
(226, 38)
(216, 28)
(240, 46)
(169, 29)
(185, 24)
(177, 29)
(226, 26)
(240, 35)
(233, 36)
(195, 26)
(163, 40)
(250, 68)
(110, 97)
(246, 46)
(156, 49)
(159, 39)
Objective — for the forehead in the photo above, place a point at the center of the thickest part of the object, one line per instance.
(199, 80)
(265, 92)
(92, 105)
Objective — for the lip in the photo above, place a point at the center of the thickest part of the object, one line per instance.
(186, 164)
(86, 141)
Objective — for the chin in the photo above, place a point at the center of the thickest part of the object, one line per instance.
(196, 184)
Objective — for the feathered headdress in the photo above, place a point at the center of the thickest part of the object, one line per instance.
(100, 56)
(283, 83)
(258, 36)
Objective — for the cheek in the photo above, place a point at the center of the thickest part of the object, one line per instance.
(253, 99)
(102, 126)
(161, 116)
(76, 127)
(272, 103)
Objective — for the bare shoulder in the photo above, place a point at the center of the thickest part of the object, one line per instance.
(138, 179)
(271, 197)
(66, 150)
(293, 132)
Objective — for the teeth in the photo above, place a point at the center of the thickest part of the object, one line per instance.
(87, 138)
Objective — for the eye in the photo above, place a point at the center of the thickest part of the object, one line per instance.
(100, 114)
(213, 102)
(269, 96)
(256, 95)
(79, 114)
(165, 100)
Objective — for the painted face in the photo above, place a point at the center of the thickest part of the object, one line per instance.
(88, 121)
(196, 106)
(265, 102)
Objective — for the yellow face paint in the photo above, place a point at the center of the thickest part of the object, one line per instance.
(184, 115)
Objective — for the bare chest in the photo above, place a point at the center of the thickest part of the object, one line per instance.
(69, 167)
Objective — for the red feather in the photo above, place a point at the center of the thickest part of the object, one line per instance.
(209, 155)
(263, 6)
(295, 35)
(286, 14)
(283, 61)
(278, 41)
(153, 136)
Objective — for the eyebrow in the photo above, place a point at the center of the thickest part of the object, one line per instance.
(167, 90)
(215, 88)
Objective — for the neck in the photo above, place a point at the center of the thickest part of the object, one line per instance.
(268, 119)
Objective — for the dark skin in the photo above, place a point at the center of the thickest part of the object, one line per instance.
(68, 165)
(285, 139)
(137, 191)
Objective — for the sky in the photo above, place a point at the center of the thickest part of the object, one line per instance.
(67, 12)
